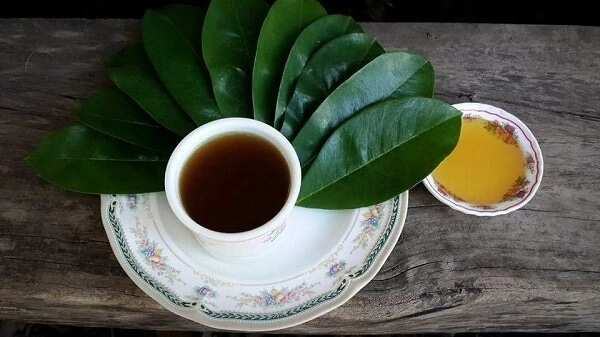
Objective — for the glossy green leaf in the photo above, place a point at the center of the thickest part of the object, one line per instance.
(114, 114)
(389, 75)
(313, 37)
(82, 160)
(187, 19)
(131, 72)
(384, 150)
(230, 32)
(325, 70)
(179, 66)
(284, 22)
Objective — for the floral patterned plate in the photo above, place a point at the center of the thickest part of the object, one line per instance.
(514, 132)
(320, 261)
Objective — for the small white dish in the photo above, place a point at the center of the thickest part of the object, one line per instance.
(318, 263)
(524, 189)
(232, 245)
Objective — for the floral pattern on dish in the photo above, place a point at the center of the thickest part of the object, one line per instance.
(204, 295)
(152, 253)
(213, 300)
(132, 200)
(370, 221)
(336, 268)
(271, 236)
(203, 292)
(514, 132)
(445, 192)
(520, 187)
(504, 131)
(275, 297)
(517, 190)
(470, 117)
(530, 162)
(212, 281)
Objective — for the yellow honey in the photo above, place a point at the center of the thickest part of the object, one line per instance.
(485, 165)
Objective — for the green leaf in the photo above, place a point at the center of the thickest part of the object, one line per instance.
(382, 151)
(82, 160)
(178, 65)
(313, 37)
(230, 33)
(187, 19)
(284, 22)
(114, 114)
(131, 72)
(389, 75)
(325, 70)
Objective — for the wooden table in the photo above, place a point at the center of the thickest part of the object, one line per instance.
(537, 269)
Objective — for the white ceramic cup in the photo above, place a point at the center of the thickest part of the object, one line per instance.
(232, 245)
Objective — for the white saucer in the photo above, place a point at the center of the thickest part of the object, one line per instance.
(322, 259)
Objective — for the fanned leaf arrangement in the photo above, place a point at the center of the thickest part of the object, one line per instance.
(131, 72)
(366, 147)
(389, 75)
(230, 33)
(284, 22)
(362, 121)
(309, 41)
(177, 59)
(325, 70)
(82, 160)
(114, 114)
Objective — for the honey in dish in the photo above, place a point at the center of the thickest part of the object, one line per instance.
(235, 183)
(485, 164)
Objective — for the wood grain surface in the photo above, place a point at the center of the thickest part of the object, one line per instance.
(537, 269)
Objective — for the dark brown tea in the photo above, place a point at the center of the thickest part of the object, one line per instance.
(235, 183)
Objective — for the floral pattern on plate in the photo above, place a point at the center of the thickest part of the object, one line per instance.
(132, 226)
(153, 254)
(270, 237)
(336, 268)
(369, 226)
(275, 297)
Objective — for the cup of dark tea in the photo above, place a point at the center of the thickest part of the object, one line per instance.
(233, 182)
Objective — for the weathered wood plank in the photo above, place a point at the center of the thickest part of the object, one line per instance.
(537, 269)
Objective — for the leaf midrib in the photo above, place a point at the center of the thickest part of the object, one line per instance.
(285, 101)
(241, 29)
(374, 159)
(314, 69)
(170, 21)
(346, 83)
(125, 121)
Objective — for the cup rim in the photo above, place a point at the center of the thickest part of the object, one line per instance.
(204, 133)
